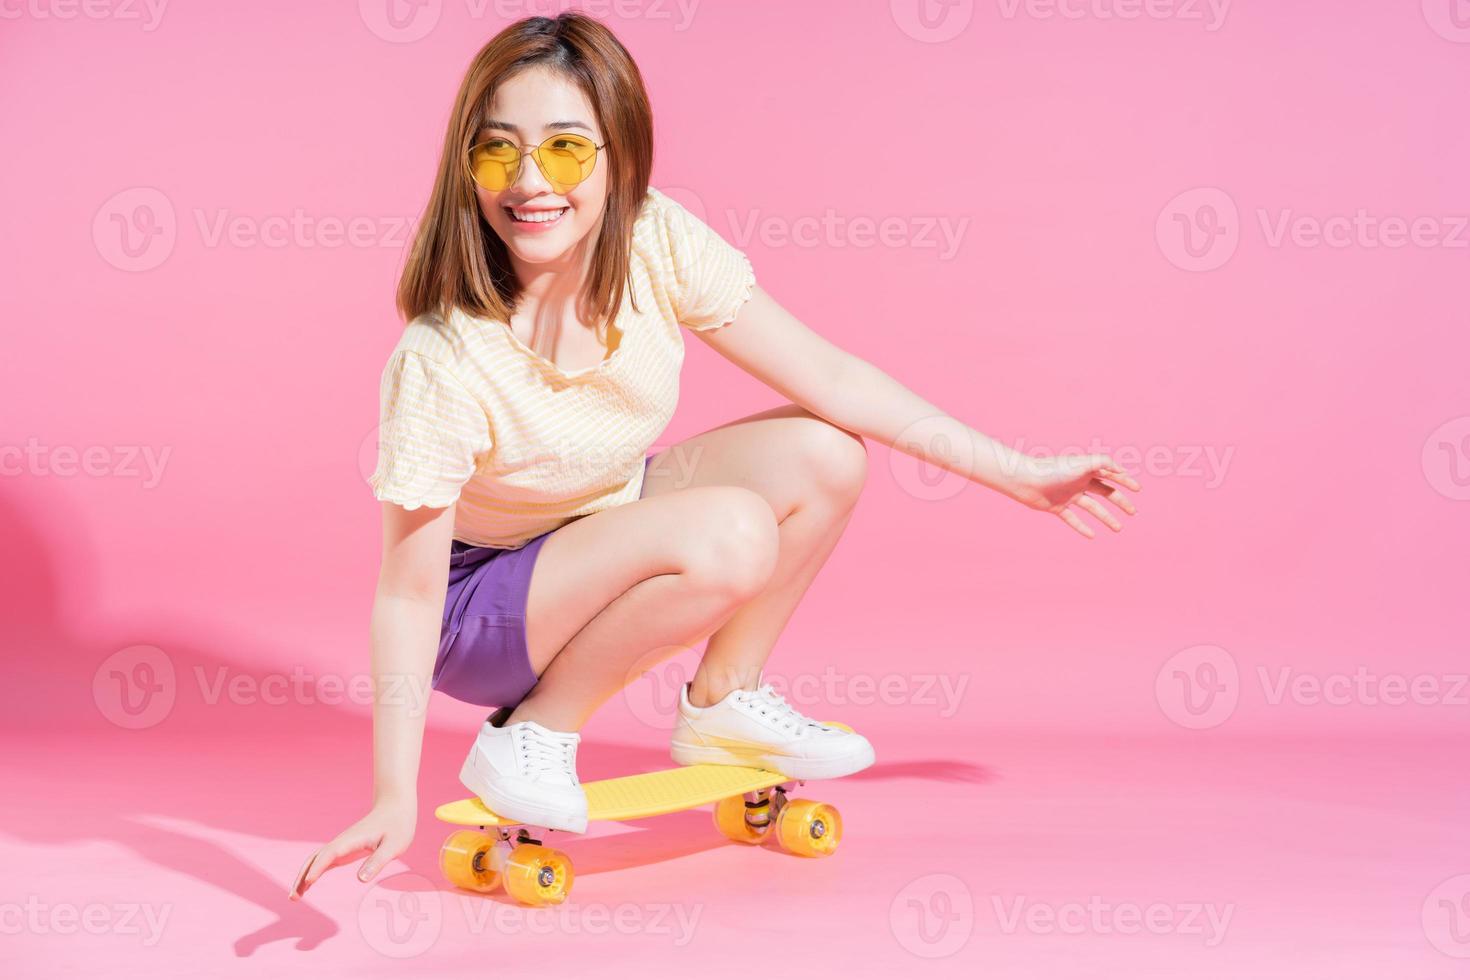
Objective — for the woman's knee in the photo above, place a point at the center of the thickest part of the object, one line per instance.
(836, 459)
(736, 543)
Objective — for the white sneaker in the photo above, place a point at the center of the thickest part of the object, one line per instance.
(758, 728)
(527, 772)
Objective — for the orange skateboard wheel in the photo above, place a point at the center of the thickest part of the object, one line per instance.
(465, 861)
(538, 875)
(809, 828)
(730, 820)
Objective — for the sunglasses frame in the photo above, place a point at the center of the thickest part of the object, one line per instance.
(533, 152)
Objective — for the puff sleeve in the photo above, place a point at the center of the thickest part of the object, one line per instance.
(432, 433)
(712, 278)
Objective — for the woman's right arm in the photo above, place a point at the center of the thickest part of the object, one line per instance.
(408, 608)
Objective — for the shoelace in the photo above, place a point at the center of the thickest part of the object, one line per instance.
(772, 705)
(545, 755)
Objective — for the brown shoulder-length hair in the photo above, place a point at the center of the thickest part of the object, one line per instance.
(457, 259)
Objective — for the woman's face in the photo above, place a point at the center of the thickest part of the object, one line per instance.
(528, 107)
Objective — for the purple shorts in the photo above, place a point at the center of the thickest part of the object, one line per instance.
(483, 657)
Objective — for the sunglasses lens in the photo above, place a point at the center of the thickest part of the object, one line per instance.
(493, 164)
(567, 160)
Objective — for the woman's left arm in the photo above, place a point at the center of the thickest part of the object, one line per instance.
(770, 344)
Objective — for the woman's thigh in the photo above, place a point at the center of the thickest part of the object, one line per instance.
(785, 454)
(584, 565)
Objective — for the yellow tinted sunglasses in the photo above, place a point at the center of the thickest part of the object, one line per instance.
(565, 159)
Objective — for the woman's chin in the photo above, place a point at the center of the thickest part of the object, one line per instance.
(536, 249)
(538, 253)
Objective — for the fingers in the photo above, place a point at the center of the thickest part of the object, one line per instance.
(1103, 468)
(1121, 476)
(1076, 523)
(385, 852)
(1099, 511)
(335, 853)
(1118, 497)
(297, 883)
(1110, 470)
(318, 863)
(371, 866)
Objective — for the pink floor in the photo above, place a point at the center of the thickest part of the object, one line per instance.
(965, 854)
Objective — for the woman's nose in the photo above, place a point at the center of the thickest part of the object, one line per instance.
(530, 181)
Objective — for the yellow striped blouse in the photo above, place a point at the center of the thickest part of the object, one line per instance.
(469, 413)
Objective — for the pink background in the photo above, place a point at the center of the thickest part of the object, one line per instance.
(1296, 409)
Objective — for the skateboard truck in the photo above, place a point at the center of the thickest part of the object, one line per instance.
(763, 806)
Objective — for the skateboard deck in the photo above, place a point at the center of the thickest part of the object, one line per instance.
(648, 794)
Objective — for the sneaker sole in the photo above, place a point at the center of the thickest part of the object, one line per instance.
(527, 813)
(795, 767)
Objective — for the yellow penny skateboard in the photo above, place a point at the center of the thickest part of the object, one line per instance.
(750, 806)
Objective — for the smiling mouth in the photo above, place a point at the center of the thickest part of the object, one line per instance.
(543, 216)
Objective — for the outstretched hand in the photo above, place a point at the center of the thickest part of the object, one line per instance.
(386, 832)
(1065, 485)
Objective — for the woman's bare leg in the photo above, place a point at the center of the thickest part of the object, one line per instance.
(811, 473)
(734, 524)
(610, 587)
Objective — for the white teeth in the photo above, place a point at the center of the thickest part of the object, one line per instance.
(537, 216)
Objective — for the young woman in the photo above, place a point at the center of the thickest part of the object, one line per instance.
(544, 297)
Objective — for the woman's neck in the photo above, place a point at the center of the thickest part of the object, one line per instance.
(550, 283)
